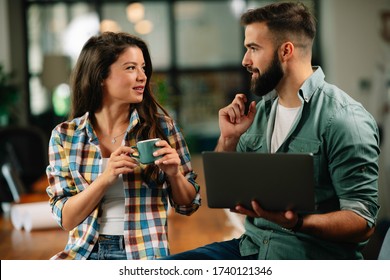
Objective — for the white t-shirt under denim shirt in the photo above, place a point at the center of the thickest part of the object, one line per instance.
(284, 119)
(112, 208)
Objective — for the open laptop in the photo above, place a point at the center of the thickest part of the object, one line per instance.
(277, 181)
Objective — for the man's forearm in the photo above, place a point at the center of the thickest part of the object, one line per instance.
(341, 226)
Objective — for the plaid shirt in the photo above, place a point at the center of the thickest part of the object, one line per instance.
(76, 161)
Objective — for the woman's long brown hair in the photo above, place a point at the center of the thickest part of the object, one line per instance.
(93, 66)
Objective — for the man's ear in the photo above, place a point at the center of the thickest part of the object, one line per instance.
(286, 50)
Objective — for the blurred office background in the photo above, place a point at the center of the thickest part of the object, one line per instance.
(196, 48)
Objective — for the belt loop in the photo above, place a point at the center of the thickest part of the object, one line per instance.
(122, 242)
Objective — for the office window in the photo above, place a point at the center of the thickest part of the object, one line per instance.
(56, 33)
(208, 34)
(196, 49)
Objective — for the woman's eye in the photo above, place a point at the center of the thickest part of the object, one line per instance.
(130, 68)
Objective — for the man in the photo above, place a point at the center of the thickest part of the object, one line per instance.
(299, 113)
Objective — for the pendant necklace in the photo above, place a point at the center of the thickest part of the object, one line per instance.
(113, 140)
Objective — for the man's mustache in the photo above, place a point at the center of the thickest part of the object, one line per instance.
(253, 70)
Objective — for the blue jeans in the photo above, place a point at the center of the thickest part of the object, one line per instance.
(109, 247)
(225, 250)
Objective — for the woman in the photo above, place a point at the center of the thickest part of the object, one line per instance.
(113, 206)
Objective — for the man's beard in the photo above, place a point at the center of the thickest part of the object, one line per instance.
(268, 80)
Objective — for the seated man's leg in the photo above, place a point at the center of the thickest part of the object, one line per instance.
(226, 250)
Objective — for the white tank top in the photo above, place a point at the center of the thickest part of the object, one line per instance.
(113, 208)
(284, 119)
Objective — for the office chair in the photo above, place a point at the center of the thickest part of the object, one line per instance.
(23, 160)
(384, 253)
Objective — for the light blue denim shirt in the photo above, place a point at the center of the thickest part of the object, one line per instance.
(344, 139)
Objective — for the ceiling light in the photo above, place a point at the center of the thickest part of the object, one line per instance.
(144, 27)
(135, 12)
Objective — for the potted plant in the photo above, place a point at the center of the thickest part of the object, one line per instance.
(8, 96)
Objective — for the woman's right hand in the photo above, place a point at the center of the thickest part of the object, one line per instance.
(120, 162)
(79, 206)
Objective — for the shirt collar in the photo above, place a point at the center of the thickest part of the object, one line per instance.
(270, 96)
(309, 87)
(134, 120)
(84, 123)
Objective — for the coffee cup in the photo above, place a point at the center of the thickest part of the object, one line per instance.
(144, 151)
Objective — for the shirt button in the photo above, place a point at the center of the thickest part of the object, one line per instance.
(265, 241)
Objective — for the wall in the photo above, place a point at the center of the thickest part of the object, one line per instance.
(353, 52)
(352, 45)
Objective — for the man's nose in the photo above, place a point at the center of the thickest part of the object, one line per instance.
(246, 61)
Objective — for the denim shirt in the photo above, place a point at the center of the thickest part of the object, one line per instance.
(343, 138)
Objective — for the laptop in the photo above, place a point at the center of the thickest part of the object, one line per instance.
(277, 181)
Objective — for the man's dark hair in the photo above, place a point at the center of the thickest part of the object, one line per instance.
(284, 19)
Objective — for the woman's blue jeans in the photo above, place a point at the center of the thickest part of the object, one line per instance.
(109, 247)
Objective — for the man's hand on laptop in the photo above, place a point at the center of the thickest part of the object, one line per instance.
(286, 219)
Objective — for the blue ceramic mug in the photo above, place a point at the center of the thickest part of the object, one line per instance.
(144, 151)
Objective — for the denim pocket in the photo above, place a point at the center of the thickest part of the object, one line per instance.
(307, 146)
(300, 145)
(254, 143)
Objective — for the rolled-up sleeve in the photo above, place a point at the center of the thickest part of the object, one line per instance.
(61, 184)
(177, 141)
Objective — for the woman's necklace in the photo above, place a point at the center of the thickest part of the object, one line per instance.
(113, 140)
